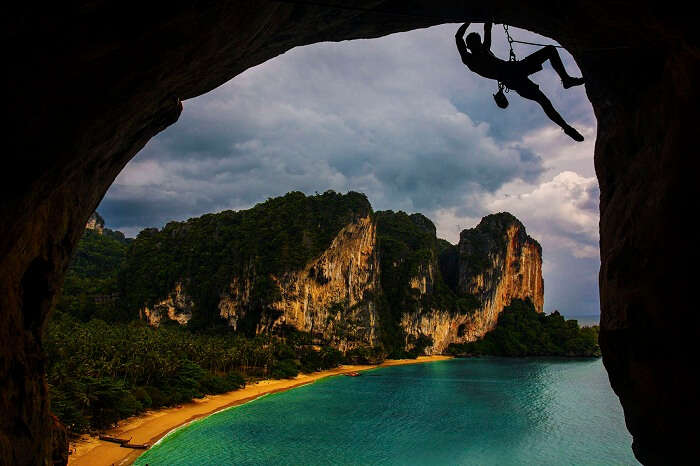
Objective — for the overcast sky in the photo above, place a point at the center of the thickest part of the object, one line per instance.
(399, 118)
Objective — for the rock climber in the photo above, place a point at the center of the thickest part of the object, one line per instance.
(477, 56)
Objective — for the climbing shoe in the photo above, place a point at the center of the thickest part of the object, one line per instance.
(573, 134)
(571, 82)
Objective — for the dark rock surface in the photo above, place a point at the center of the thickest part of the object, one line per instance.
(87, 84)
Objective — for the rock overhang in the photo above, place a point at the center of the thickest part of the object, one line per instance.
(92, 83)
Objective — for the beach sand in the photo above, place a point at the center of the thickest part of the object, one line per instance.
(151, 426)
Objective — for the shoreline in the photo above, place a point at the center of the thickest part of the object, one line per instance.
(151, 426)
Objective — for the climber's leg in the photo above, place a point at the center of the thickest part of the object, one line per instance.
(550, 53)
(531, 91)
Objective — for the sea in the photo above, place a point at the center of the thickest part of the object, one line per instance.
(586, 320)
(476, 411)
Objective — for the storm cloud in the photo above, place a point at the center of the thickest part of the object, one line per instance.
(398, 118)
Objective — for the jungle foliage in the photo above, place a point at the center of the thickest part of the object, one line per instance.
(522, 331)
(91, 287)
(101, 372)
(409, 248)
(105, 364)
(275, 236)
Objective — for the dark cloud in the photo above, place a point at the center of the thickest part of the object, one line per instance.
(399, 118)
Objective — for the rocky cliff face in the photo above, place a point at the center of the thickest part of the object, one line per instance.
(493, 263)
(431, 319)
(441, 326)
(498, 261)
(176, 306)
(337, 296)
(96, 223)
(332, 297)
(236, 300)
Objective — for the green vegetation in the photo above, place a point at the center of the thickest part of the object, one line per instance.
(522, 331)
(408, 248)
(488, 238)
(91, 287)
(99, 373)
(105, 364)
(276, 236)
(111, 279)
(365, 355)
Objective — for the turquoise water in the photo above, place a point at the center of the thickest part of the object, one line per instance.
(486, 411)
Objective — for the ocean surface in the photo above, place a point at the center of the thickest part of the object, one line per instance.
(586, 320)
(485, 411)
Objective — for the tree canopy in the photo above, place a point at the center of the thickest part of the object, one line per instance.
(522, 331)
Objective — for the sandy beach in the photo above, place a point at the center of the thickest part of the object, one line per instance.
(153, 425)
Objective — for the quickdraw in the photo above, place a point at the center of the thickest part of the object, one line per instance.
(499, 96)
(510, 44)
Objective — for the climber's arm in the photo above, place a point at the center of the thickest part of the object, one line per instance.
(487, 36)
(462, 29)
(461, 46)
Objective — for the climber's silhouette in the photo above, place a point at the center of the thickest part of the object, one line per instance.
(514, 74)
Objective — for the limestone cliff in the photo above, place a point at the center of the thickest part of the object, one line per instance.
(383, 279)
(176, 306)
(442, 326)
(95, 222)
(498, 261)
(236, 299)
(332, 297)
(432, 318)
(457, 292)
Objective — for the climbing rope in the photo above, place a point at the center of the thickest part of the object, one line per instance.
(499, 96)
(534, 43)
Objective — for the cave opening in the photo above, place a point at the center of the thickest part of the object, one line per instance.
(399, 118)
(110, 94)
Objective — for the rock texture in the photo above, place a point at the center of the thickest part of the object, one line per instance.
(176, 306)
(92, 82)
(498, 261)
(95, 222)
(442, 326)
(333, 297)
(235, 301)
(495, 262)
(336, 296)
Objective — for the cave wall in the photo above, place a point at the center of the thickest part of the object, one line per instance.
(89, 83)
(646, 164)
